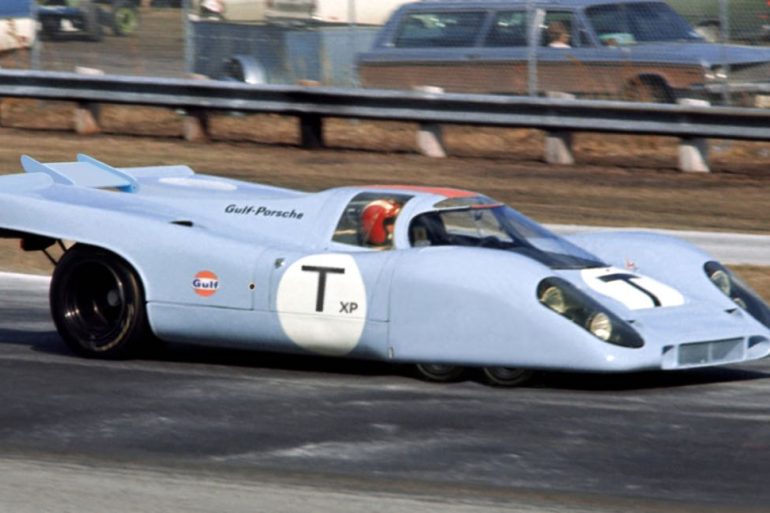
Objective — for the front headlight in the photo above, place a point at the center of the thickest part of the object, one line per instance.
(741, 294)
(568, 301)
(553, 298)
(600, 325)
(721, 279)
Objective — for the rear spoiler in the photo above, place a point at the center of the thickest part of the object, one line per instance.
(85, 172)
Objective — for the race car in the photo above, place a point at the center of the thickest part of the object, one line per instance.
(439, 278)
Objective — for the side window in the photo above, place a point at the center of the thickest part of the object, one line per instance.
(508, 29)
(560, 30)
(369, 219)
(439, 29)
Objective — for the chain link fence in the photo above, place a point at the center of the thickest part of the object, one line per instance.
(639, 50)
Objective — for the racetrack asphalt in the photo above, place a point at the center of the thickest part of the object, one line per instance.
(730, 248)
(198, 429)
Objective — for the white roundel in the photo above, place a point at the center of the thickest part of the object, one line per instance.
(321, 303)
(635, 291)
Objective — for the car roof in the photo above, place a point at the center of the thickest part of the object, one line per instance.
(565, 3)
(445, 192)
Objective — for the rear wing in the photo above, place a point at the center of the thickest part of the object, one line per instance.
(88, 172)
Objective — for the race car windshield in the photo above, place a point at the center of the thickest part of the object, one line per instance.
(498, 227)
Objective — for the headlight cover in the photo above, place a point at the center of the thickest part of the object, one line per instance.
(741, 294)
(565, 299)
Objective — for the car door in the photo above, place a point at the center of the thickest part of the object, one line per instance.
(567, 59)
(334, 301)
(429, 47)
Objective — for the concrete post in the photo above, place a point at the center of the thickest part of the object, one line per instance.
(430, 136)
(694, 151)
(558, 148)
(86, 115)
(558, 143)
(86, 119)
(195, 126)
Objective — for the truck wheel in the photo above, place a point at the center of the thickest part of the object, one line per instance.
(647, 89)
(125, 18)
(98, 305)
(92, 23)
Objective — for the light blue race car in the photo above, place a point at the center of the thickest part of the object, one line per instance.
(441, 278)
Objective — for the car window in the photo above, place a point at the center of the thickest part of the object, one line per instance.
(439, 29)
(508, 29)
(559, 30)
(495, 226)
(369, 219)
(623, 24)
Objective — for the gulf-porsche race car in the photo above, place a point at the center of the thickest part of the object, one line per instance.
(441, 278)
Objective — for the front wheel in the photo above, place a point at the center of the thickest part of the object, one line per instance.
(98, 305)
(439, 373)
(506, 376)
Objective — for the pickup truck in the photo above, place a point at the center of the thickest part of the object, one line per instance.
(88, 17)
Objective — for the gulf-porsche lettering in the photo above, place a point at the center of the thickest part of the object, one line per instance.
(321, 303)
(262, 211)
(205, 283)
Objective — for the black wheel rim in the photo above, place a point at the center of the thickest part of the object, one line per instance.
(439, 372)
(507, 376)
(125, 20)
(97, 307)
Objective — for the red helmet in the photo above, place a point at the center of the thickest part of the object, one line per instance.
(376, 220)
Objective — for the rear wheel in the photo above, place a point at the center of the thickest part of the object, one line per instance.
(125, 18)
(98, 305)
(507, 376)
(439, 373)
(647, 89)
(92, 23)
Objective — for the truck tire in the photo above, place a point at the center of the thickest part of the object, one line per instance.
(125, 17)
(92, 23)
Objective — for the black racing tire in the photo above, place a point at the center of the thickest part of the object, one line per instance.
(125, 18)
(98, 304)
(92, 23)
(506, 376)
(49, 27)
(439, 373)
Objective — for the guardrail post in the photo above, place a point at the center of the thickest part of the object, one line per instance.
(558, 143)
(694, 151)
(558, 148)
(311, 131)
(430, 136)
(430, 140)
(195, 126)
(86, 118)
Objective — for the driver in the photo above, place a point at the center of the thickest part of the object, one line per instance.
(377, 220)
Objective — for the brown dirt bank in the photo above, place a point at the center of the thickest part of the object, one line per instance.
(612, 190)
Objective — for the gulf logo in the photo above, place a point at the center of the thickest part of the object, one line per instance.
(205, 283)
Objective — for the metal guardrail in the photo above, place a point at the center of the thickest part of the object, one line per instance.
(314, 103)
